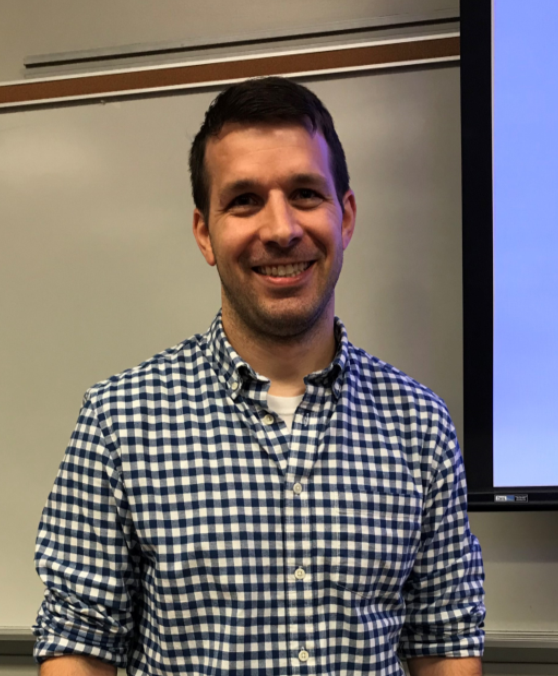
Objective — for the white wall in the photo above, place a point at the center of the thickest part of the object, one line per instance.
(99, 270)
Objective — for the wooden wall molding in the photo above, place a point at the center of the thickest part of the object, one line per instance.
(143, 80)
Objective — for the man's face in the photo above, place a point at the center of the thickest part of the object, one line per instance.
(276, 230)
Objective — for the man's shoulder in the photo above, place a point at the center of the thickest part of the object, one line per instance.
(389, 382)
(186, 358)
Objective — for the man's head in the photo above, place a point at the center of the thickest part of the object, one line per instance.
(270, 100)
(274, 211)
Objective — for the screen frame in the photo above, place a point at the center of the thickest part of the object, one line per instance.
(478, 272)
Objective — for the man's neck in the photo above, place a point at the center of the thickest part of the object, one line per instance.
(284, 362)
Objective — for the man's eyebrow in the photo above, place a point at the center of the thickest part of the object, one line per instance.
(242, 185)
(235, 188)
(247, 184)
(315, 180)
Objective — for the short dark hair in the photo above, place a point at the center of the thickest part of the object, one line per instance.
(265, 100)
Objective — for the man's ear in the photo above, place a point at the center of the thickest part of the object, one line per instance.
(201, 233)
(349, 217)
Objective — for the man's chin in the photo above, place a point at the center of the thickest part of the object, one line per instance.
(284, 324)
(278, 319)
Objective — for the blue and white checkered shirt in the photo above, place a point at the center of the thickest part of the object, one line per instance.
(189, 533)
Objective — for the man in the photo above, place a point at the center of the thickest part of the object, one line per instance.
(264, 498)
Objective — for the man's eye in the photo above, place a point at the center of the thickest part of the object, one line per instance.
(246, 200)
(307, 195)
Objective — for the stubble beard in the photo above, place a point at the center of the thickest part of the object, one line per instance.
(295, 322)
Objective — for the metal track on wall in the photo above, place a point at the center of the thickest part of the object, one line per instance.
(155, 69)
(238, 44)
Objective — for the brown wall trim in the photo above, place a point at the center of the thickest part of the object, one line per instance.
(113, 84)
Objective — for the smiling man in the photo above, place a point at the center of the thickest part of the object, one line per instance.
(264, 498)
(276, 230)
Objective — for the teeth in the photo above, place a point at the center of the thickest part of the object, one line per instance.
(284, 270)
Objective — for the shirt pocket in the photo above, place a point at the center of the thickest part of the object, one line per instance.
(378, 535)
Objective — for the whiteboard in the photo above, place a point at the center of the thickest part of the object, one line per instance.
(99, 270)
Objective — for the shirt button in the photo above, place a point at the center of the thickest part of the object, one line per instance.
(297, 489)
(234, 387)
(303, 655)
(268, 419)
(300, 573)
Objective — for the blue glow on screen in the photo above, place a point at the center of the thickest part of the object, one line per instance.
(525, 243)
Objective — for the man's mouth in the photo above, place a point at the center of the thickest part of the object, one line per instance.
(289, 270)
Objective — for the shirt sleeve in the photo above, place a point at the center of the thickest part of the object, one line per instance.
(444, 593)
(84, 553)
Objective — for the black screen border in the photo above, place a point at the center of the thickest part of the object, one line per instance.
(478, 310)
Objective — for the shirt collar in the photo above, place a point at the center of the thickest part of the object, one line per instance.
(235, 371)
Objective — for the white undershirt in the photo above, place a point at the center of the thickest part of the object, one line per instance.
(284, 407)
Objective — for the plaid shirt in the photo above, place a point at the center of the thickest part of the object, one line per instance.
(189, 533)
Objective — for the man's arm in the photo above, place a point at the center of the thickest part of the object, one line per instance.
(445, 666)
(76, 665)
(84, 556)
(444, 591)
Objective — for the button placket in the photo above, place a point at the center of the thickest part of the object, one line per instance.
(304, 636)
(297, 557)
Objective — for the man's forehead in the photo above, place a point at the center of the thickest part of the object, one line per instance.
(263, 127)
(246, 157)
(236, 135)
(238, 143)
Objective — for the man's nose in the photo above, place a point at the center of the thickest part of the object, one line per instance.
(279, 222)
